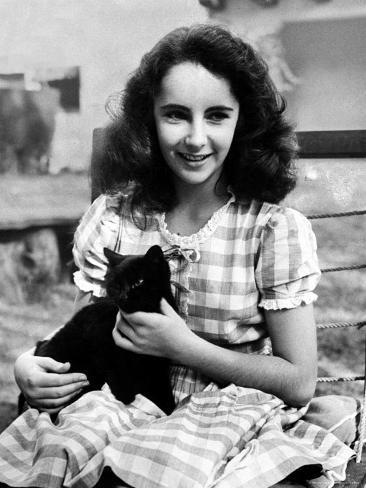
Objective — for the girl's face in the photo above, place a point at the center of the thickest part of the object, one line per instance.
(195, 115)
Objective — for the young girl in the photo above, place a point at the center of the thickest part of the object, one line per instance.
(197, 160)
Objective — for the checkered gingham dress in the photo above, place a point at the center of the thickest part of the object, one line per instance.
(248, 257)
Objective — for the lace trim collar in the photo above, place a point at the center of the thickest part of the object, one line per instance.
(194, 240)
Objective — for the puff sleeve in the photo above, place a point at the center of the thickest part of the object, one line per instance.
(287, 269)
(97, 229)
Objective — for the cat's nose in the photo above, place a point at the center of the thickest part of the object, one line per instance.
(122, 297)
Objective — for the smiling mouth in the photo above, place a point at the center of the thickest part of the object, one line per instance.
(194, 158)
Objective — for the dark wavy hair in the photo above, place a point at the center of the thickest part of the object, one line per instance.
(260, 161)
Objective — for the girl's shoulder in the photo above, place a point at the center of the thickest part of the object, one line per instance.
(277, 214)
(102, 217)
(281, 227)
(269, 215)
(116, 209)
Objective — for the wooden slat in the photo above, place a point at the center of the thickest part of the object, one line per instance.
(29, 201)
(332, 144)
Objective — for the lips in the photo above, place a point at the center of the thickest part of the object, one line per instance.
(194, 158)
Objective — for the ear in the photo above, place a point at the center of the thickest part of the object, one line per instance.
(113, 257)
(155, 253)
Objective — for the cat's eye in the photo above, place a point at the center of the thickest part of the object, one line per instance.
(137, 284)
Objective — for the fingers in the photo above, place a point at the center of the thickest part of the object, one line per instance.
(46, 380)
(138, 317)
(122, 340)
(53, 405)
(125, 329)
(54, 397)
(46, 383)
(166, 308)
(39, 385)
(60, 393)
(51, 396)
(52, 365)
(142, 318)
(57, 387)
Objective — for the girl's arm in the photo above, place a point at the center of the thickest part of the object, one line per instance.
(46, 383)
(290, 373)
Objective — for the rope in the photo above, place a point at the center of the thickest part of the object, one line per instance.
(344, 268)
(340, 214)
(336, 325)
(333, 379)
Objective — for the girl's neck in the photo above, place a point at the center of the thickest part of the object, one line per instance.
(195, 206)
(200, 196)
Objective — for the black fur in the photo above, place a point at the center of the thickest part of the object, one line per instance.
(133, 283)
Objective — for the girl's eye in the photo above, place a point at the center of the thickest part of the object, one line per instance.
(175, 115)
(217, 116)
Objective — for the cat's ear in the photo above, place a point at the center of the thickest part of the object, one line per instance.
(113, 257)
(155, 253)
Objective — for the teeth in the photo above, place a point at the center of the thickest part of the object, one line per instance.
(191, 157)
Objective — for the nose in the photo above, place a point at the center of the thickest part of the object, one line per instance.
(197, 136)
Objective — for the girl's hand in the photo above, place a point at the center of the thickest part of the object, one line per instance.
(164, 334)
(45, 383)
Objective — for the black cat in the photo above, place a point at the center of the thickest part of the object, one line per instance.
(133, 283)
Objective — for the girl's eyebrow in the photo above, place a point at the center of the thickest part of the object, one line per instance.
(176, 106)
(220, 107)
(173, 106)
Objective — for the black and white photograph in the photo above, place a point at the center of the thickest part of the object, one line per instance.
(182, 243)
